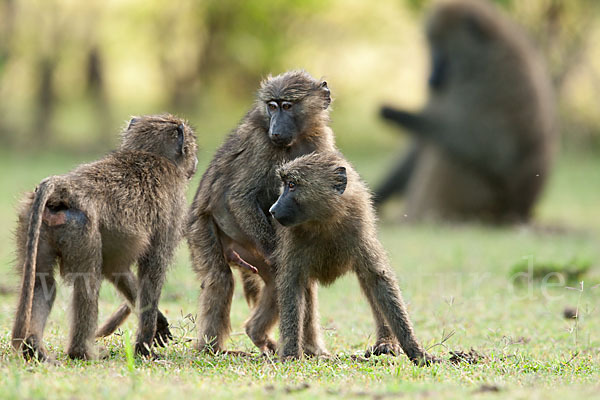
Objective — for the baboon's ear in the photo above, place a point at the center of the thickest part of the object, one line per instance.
(133, 121)
(326, 94)
(477, 28)
(180, 138)
(340, 180)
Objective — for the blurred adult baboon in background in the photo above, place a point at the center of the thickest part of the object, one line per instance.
(484, 142)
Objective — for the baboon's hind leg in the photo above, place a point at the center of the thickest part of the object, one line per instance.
(386, 343)
(264, 317)
(43, 299)
(86, 287)
(217, 285)
(380, 287)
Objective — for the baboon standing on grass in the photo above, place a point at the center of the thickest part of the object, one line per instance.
(95, 222)
(485, 140)
(229, 219)
(327, 228)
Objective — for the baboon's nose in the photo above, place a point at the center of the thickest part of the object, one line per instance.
(273, 211)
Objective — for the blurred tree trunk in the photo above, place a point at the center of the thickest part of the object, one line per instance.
(7, 18)
(97, 92)
(45, 99)
(565, 35)
(7, 13)
(565, 43)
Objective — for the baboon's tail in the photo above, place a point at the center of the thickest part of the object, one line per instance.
(23, 316)
(114, 321)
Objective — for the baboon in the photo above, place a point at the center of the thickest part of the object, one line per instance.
(230, 210)
(326, 229)
(485, 140)
(97, 220)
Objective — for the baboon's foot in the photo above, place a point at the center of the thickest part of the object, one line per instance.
(163, 334)
(33, 349)
(384, 348)
(213, 350)
(265, 344)
(209, 344)
(315, 351)
(268, 347)
(427, 360)
(77, 353)
(236, 353)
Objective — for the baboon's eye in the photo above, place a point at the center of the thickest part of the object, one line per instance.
(272, 105)
(291, 185)
(286, 105)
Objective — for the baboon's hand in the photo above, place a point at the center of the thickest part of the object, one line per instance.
(142, 349)
(387, 112)
(384, 348)
(413, 122)
(163, 333)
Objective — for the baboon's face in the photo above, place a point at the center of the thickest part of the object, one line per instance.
(290, 103)
(288, 210)
(283, 122)
(165, 135)
(309, 192)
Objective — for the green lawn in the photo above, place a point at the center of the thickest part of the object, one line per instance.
(456, 279)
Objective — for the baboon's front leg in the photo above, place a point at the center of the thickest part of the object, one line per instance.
(314, 344)
(151, 275)
(291, 295)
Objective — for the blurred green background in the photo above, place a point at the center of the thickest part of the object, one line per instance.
(72, 72)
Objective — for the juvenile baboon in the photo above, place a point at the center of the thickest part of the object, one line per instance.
(327, 228)
(230, 210)
(95, 222)
(484, 141)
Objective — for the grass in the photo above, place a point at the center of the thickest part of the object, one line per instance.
(459, 282)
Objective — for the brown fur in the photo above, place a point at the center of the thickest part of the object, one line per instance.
(335, 235)
(486, 138)
(95, 222)
(229, 211)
